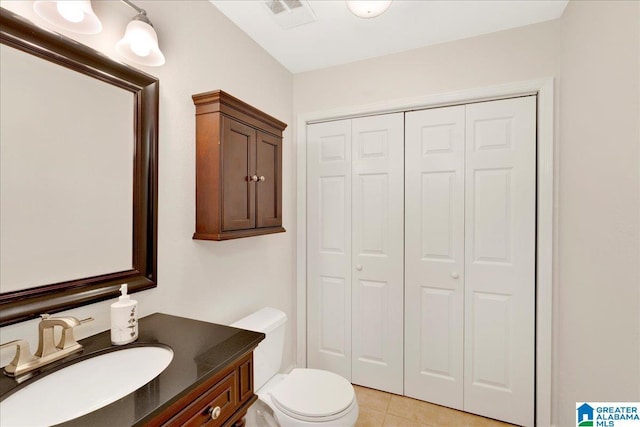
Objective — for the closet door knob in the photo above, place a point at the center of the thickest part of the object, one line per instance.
(214, 413)
(254, 178)
(359, 267)
(455, 275)
(262, 178)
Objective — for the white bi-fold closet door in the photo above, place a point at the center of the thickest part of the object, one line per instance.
(420, 264)
(470, 257)
(355, 249)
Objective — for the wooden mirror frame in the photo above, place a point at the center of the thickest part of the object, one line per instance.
(17, 306)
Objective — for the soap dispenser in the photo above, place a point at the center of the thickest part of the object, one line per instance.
(124, 319)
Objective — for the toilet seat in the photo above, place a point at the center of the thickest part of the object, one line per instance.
(313, 395)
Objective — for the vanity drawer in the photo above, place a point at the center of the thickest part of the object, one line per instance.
(224, 395)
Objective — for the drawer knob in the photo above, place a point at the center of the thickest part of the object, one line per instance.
(214, 413)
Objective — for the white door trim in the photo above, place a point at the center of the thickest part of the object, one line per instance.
(544, 88)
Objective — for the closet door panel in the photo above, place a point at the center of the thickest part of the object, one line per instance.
(500, 259)
(329, 247)
(434, 255)
(377, 236)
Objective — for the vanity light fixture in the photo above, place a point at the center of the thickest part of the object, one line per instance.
(75, 15)
(368, 9)
(140, 41)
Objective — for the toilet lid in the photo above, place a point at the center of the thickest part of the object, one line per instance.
(312, 393)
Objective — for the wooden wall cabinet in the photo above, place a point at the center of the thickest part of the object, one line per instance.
(238, 169)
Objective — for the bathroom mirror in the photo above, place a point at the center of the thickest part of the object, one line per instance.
(79, 173)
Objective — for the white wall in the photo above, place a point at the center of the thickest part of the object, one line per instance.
(524, 53)
(596, 246)
(213, 281)
(598, 287)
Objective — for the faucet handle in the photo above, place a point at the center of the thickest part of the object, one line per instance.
(21, 360)
(67, 339)
(63, 321)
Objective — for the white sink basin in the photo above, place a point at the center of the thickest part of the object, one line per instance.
(84, 386)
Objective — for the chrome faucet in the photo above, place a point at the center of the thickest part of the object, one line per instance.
(48, 351)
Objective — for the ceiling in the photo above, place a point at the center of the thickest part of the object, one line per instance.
(337, 36)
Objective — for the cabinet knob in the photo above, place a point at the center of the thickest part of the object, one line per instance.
(254, 178)
(214, 413)
(455, 275)
(359, 267)
(262, 178)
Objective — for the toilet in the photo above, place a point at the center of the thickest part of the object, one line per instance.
(302, 398)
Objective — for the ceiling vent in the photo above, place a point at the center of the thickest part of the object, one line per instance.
(290, 13)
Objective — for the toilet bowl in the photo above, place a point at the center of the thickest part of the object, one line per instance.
(304, 397)
(310, 397)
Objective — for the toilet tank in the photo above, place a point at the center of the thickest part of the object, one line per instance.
(267, 357)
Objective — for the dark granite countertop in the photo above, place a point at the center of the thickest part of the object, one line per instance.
(200, 350)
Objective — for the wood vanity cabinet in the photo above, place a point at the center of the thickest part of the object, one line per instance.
(222, 400)
(238, 169)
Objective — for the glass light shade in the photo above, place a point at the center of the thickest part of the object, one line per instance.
(140, 44)
(71, 11)
(368, 9)
(75, 15)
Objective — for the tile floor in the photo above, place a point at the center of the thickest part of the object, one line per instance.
(380, 409)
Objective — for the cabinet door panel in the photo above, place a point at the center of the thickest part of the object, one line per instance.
(269, 186)
(238, 164)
